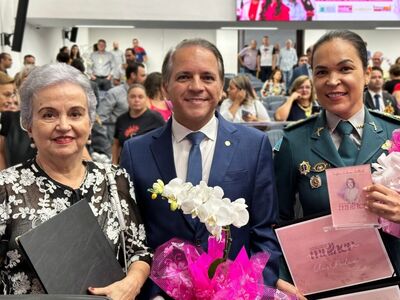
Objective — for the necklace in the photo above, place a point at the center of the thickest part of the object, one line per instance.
(307, 109)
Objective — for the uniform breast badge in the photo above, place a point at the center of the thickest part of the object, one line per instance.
(320, 167)
(315, 181)
(318, 130)
(304, 167)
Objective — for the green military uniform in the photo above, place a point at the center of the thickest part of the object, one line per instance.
(307, 149)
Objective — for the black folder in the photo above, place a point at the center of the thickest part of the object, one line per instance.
(70, 252)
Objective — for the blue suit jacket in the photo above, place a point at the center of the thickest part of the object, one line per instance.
(298, 71)
(243, 168)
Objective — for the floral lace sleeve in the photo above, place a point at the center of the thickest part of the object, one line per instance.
(4, 217)
(135, 236)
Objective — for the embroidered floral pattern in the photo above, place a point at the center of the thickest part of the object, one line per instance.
(29, 197)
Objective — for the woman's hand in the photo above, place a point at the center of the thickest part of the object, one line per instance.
(294, 96)
(127, 288)
(383, 201)
(289, 288)
(250, 118)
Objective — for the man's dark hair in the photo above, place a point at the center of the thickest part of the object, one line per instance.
(78, 64)
(28, 56)
(3, 55)
(62, 57)
(395, 70)
(377, 69)
(132, 68)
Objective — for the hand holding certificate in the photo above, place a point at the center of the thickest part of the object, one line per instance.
(347, 197)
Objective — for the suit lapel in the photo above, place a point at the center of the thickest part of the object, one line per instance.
(372, 140)
(368, 100)
(226, 145)
(322, 144)
(163, 154)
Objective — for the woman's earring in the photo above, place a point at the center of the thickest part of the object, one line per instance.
(32, 144)
(89, 141)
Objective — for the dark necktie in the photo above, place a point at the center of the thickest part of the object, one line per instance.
(377, 97)
(348, 150)
(195, 170)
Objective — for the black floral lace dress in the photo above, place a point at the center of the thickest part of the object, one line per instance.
(28, 197)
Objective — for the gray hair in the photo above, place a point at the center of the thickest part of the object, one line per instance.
(168, 60)
(52, 75)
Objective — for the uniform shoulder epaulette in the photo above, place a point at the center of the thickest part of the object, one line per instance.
(300, 122)
(385, 115)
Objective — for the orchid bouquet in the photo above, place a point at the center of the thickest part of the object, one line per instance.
(388, 174)
(185, 271)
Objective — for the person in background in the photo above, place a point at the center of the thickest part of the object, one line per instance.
(275, 10)
(29, 59)
(296, 10)
(119, 60)
(157, 101)
(235, 157)
(264, 59)
(250, 10)
(138, 120)
(394, 73)
(344, 133)
(304, 66)
(15, 143)
(63, 57)
(276, 54)
(274, 86)
(141, 55)
(300, 104)
(242, 104)
(58, 109)
(5, 62)
(376, 98)
(288, 58)
(8, 92)
(248, 58)
(102, 66)
(120, 73)
(75, 53)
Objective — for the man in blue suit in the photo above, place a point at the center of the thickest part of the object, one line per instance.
(234, 157)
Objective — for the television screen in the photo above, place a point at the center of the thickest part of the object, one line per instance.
(317, 10)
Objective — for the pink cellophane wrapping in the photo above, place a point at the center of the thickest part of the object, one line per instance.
(181, 270)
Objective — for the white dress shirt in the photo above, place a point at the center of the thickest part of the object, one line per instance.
(181, 147)
(381, 103)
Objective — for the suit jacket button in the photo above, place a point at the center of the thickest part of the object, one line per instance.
(197, 242)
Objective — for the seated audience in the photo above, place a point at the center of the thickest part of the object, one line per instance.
(274, 86)
(242, 105)
(300, 104)
(394, 73)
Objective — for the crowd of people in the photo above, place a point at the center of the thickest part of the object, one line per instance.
(148, 121)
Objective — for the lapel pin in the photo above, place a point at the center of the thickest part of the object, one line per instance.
(315, 182)
(227, 143)
(373, 124)
(318, 131)
(304, 167)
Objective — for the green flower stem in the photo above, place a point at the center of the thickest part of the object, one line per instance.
(228, 241)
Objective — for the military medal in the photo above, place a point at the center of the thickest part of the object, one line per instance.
(315, 181)
(320, 167)
(304, 167)
(373, 124)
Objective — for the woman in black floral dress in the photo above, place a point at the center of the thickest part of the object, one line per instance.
(58, 110)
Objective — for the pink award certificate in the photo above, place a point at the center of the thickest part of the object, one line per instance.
(385, 293)
(347, 198)
(321, 260)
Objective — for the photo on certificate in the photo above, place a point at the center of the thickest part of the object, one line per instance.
(347, 198)
(332, 259)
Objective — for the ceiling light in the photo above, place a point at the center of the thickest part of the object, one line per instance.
(387, 28)
(249, 28)
(105, 26)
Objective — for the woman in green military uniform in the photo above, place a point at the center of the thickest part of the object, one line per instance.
(344, 133)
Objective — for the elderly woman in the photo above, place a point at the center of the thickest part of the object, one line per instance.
(242, 105)
(58, 110)
(300, 104)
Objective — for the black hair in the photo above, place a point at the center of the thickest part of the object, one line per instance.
(133, 68)
(153, 84)
(346, 35)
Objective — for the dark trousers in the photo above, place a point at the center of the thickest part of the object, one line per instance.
(103, 83)
(265, 73)
(253, 72)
